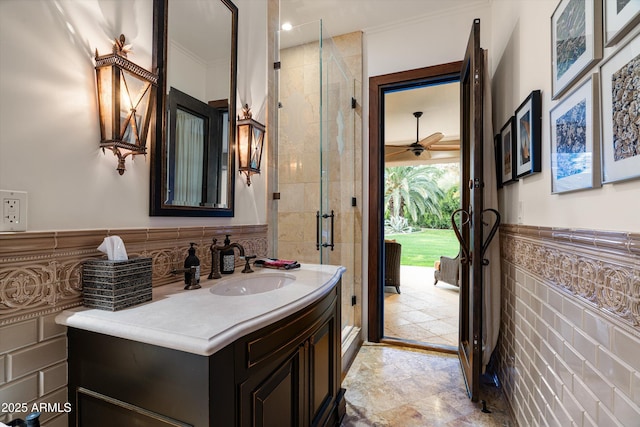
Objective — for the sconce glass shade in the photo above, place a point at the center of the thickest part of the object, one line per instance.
(250, 144)
(126, 94)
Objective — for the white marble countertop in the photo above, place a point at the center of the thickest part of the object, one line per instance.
(200, 322)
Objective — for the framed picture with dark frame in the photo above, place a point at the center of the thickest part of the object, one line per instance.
(496, 154)
(527, 127)
(506, 145)
(576, 42)
(575, 139)
(619, 94)
(619, 17)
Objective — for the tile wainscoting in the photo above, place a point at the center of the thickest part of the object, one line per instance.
(570, 332)
(41, 275)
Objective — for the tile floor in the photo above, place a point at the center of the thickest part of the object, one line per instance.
(421, 312)
(390, 386)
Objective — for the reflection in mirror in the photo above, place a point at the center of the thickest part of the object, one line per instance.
(197, 152)
(196, 51)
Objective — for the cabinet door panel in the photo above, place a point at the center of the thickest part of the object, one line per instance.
(322, 365)
(273, 398)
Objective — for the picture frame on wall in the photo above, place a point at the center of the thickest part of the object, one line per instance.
(576, 42)
(575, 163)
(620, 16)
(527, 127)
(619, 93)
(506, 145)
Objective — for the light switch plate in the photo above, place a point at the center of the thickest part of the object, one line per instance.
(13, 210)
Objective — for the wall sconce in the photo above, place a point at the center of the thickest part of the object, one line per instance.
(126, 94)
(250, 143)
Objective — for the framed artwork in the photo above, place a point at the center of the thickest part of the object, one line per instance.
(574, 140)
(619, 17)
(620, 91)
(576, 41)
(506, 149)
(527, 126)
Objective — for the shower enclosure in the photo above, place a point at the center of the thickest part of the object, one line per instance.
(319, 152)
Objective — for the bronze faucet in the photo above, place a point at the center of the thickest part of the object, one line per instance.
(215, 258)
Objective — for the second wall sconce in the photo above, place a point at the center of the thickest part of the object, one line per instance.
(126, 94)
(250, 144)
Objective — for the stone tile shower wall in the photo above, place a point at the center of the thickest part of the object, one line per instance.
(40, 275)
(299, 163)
(570, 334)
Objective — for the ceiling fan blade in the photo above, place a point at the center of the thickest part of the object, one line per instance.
(395, 148)
(396, 153)
(444, 147)
(434, 158)
(431, 139)
(407, 156)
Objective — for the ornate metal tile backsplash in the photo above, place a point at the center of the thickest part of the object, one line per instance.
(600, 268)
(40, 272)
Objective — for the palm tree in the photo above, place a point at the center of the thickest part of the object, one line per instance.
(412, 191)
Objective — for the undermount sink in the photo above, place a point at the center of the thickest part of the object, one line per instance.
(252, 285)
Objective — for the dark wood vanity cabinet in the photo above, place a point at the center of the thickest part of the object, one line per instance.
(285, 374)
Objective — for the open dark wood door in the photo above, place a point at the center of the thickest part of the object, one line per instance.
(471, 128)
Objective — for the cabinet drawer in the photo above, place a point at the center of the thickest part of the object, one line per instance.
(285, 335)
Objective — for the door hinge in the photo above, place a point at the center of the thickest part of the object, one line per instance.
(353, 300)
(353, 102)
(277, 65)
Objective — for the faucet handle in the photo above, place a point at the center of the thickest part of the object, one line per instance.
(247, 267)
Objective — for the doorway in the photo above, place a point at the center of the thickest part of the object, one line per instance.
(380, 87)
(421, 192)
(477, 252)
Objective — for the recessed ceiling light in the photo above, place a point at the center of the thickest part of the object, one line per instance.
(287, 26)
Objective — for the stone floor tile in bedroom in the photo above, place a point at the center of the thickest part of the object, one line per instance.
(390, 386)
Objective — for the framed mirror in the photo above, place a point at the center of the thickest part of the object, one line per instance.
(195, 53)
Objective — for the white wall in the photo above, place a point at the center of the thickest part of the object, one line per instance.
(187, 72)
(49, 130)
(432, 40)
(521, 61)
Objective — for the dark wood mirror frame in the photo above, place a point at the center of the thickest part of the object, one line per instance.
(157, 207)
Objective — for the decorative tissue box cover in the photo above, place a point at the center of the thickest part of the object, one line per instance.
(114, 285)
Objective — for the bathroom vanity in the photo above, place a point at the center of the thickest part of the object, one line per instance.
(259, 349)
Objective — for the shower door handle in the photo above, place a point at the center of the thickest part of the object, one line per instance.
(317, 230)
(319, 218)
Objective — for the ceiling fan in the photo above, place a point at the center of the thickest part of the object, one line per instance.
(420, 146)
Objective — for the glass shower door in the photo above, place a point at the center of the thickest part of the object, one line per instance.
(318, 209)
(338, 201)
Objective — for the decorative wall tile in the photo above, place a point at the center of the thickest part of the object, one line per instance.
(22, 390)
(597, 267)
(3, 376)
(41, 273)
(18, 335)
(584, 370)
(52, 378)
(37, 357)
